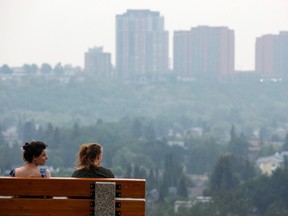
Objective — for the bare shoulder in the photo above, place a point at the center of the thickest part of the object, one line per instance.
(23, 171)
(48, 173)
(20, 171)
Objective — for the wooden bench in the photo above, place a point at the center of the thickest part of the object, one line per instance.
(70, 196)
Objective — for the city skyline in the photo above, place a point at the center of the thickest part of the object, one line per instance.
(34, 31)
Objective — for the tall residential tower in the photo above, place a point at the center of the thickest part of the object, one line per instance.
(204, 53)
(141, 44)
(272, 55)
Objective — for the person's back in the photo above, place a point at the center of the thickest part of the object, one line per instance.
(95, 172)
(89, 163)
(34, 155)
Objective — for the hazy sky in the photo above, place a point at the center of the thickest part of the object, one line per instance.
(52, 31)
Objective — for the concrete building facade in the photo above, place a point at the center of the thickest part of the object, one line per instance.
(141, 44)
(204, 52)
(97, 62)
(271, 55)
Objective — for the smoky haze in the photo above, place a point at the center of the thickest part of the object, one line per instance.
(180, 93)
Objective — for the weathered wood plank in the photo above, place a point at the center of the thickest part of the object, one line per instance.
(36, 206)
(71, 207)
(130, 207)
(129, 188)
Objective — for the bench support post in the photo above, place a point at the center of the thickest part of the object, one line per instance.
(105, 198)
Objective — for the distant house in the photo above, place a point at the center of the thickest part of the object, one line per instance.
(268, 164)
(182, 204)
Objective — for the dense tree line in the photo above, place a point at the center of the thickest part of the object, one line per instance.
(131, 141)
(251, 107)
(44, 68)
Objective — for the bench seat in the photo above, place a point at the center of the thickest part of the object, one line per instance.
(67, 196)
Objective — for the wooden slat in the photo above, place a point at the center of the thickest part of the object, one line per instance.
(72, 187)
(55, 207)
(130, 207)
(60, 207)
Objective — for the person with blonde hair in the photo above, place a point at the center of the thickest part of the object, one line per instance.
(88, 163)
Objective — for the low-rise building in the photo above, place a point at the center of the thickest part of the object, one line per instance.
(269, 164)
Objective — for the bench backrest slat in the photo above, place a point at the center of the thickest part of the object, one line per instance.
(72, 187)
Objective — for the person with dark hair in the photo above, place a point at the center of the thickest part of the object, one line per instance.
(88, 163)
(34, 155)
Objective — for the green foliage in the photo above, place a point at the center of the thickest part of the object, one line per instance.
(182, 186)
(230, 172)
(285, 144)
(132, 122)
(262, 195)
(5, 69)
(46, 68)
(212, 106)
(9, 155)
(202, 155)
(238, 145)
(222, 177)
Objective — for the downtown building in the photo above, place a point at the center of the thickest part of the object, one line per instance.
(97, 62)
(271, 55)
(204, 53)
(141, 45)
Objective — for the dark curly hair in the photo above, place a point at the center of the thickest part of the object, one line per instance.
(32, 149)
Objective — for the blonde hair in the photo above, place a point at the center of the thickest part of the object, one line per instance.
(87, 155)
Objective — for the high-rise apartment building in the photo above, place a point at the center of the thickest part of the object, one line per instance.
(271, 52)
(98, 62)
(141, 44)
(204, 52)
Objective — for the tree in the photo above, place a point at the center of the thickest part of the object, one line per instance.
(139, 172)
(232, 133)
(56, 136)
(263, 134)
(203, 155)
(34, 68)
(76, 130)
(285, 144)
(151, 180)
(239, 146)
(58, 69)
(2, 140)
(222, 177)
(29, 131)
(182, 187)
(137, 129)
(46, 68)
(277, 208)
(149, 132)
(27, 68)
(5, 69)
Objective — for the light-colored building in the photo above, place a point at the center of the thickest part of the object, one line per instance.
(141, 44)
(98, 62)
(271, 54)
(181, 204)
(204, 52)
(269, 164)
